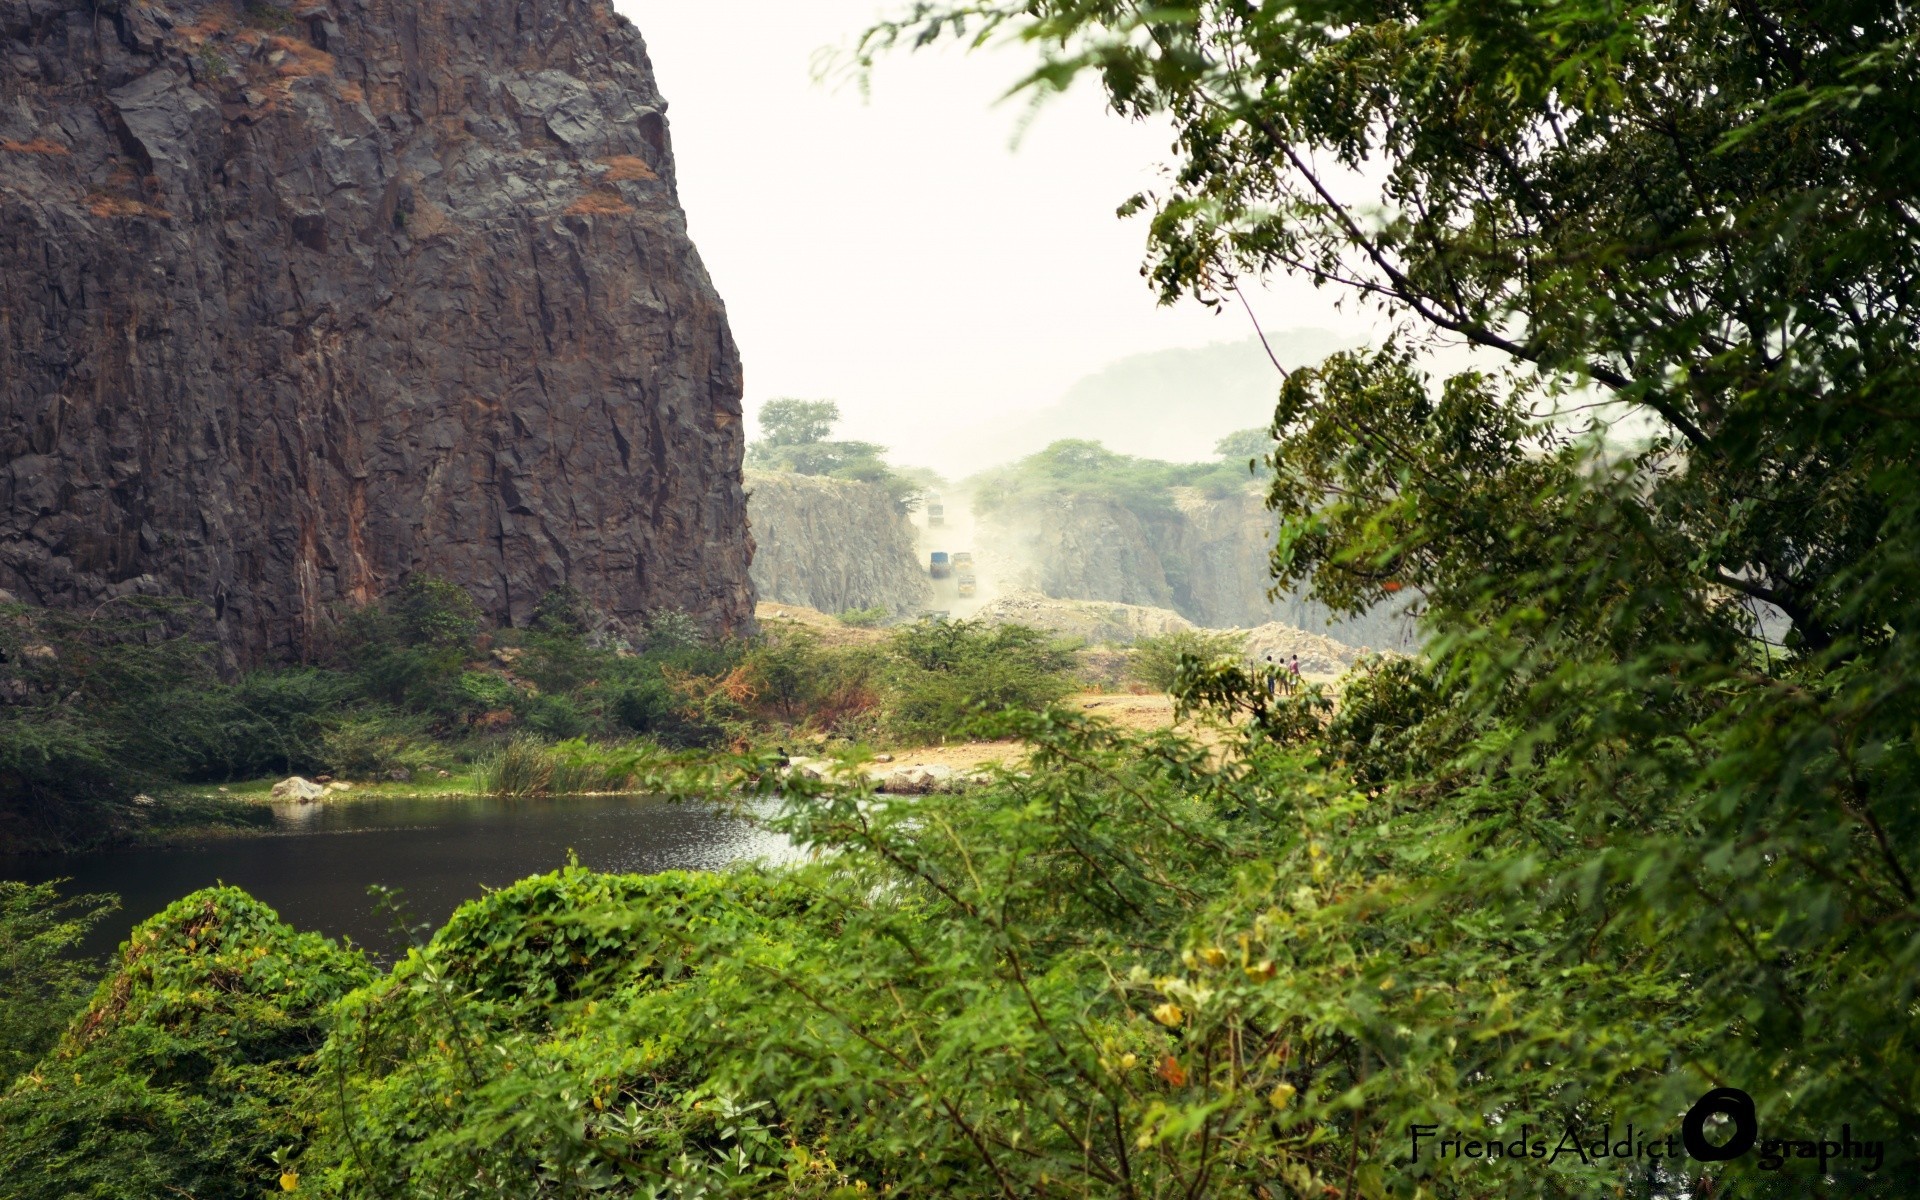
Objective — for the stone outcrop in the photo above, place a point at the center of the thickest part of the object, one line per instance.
(304, 296)
(1206, 559)
(833, 545)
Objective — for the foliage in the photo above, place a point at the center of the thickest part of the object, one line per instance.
(943, 674)
(865, 618)
(797, 422)
(372, 742)
(526, 766)
(1155, 661)
(188, 1072)
(539, 1045)
(42, 981)
(81, 694)
(795, 679)
(1074, 469)
(1669, 561)
(796, 440)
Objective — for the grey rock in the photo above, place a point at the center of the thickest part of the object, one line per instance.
(1206, 560)
(292, 314)
(916, 780)
(832, 544)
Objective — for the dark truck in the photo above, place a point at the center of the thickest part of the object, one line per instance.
(940, 566)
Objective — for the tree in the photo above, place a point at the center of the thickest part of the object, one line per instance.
(1682, 671)
(1245, 444)
(797, 422)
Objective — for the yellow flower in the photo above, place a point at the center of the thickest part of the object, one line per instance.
(289, 1181)
(1127, 1062)
(1169, 1014)
(1281, 1096)
(1215, 956)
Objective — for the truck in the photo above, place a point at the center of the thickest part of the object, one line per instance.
(939, 566)
(968, 585)
(936, 516)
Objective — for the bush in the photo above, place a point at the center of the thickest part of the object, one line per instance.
(526, 766)
(374, 742)
(271, 722)
(188, 1073)
(864, 618)
(945, 673)
(796, 679)
(1156, 660)
(42, 982)
(557, 716)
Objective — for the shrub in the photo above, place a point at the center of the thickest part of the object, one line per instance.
(1156, 660)
(271, 722)
(796, 679)
(864, 618)
(188, 1072)
(945, 673)
(526, 766)
(555, 715)
(373, 742)
(42, 983)
(538, 1046)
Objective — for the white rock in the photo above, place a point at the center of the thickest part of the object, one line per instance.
(293, 787)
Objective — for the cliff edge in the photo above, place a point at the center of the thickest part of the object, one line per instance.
(300, 299)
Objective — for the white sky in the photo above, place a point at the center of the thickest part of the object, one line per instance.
(897, 253)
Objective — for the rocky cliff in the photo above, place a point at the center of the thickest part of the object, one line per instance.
(832, 544)
(302, 297)
(1205, 558)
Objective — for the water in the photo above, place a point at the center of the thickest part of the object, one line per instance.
(317, 864)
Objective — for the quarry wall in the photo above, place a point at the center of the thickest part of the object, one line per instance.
(833, 544)
(1206, 558)
(301, 299)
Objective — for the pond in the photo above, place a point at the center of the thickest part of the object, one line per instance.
(316, 865)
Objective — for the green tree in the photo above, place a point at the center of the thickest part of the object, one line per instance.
(1670, 558)
(797, 422)
(42, 980)
(1245, 445)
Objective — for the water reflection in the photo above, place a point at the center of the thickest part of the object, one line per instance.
(318, 864)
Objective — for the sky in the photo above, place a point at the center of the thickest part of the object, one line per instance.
(898, 252)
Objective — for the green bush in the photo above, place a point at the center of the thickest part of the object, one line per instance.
(190, 1072)
(527, 766)
(1155, 661)
(944, 674)
(864, 618)
(374, 741)
(541, 1045)
(556, 715)
(270, 723)
(42, 982)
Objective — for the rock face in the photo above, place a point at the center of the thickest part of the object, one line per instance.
(1206, 559)
(832, 544)
(304, 297)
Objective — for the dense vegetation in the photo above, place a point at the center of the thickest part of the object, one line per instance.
(1639, 825)
(104, 706)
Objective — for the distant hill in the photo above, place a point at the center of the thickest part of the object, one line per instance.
(1166, 404)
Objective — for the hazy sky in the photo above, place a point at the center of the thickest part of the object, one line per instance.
(898, 253)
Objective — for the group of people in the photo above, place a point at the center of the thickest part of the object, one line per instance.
(1283, 678)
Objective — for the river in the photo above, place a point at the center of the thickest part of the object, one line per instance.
(317, 863)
